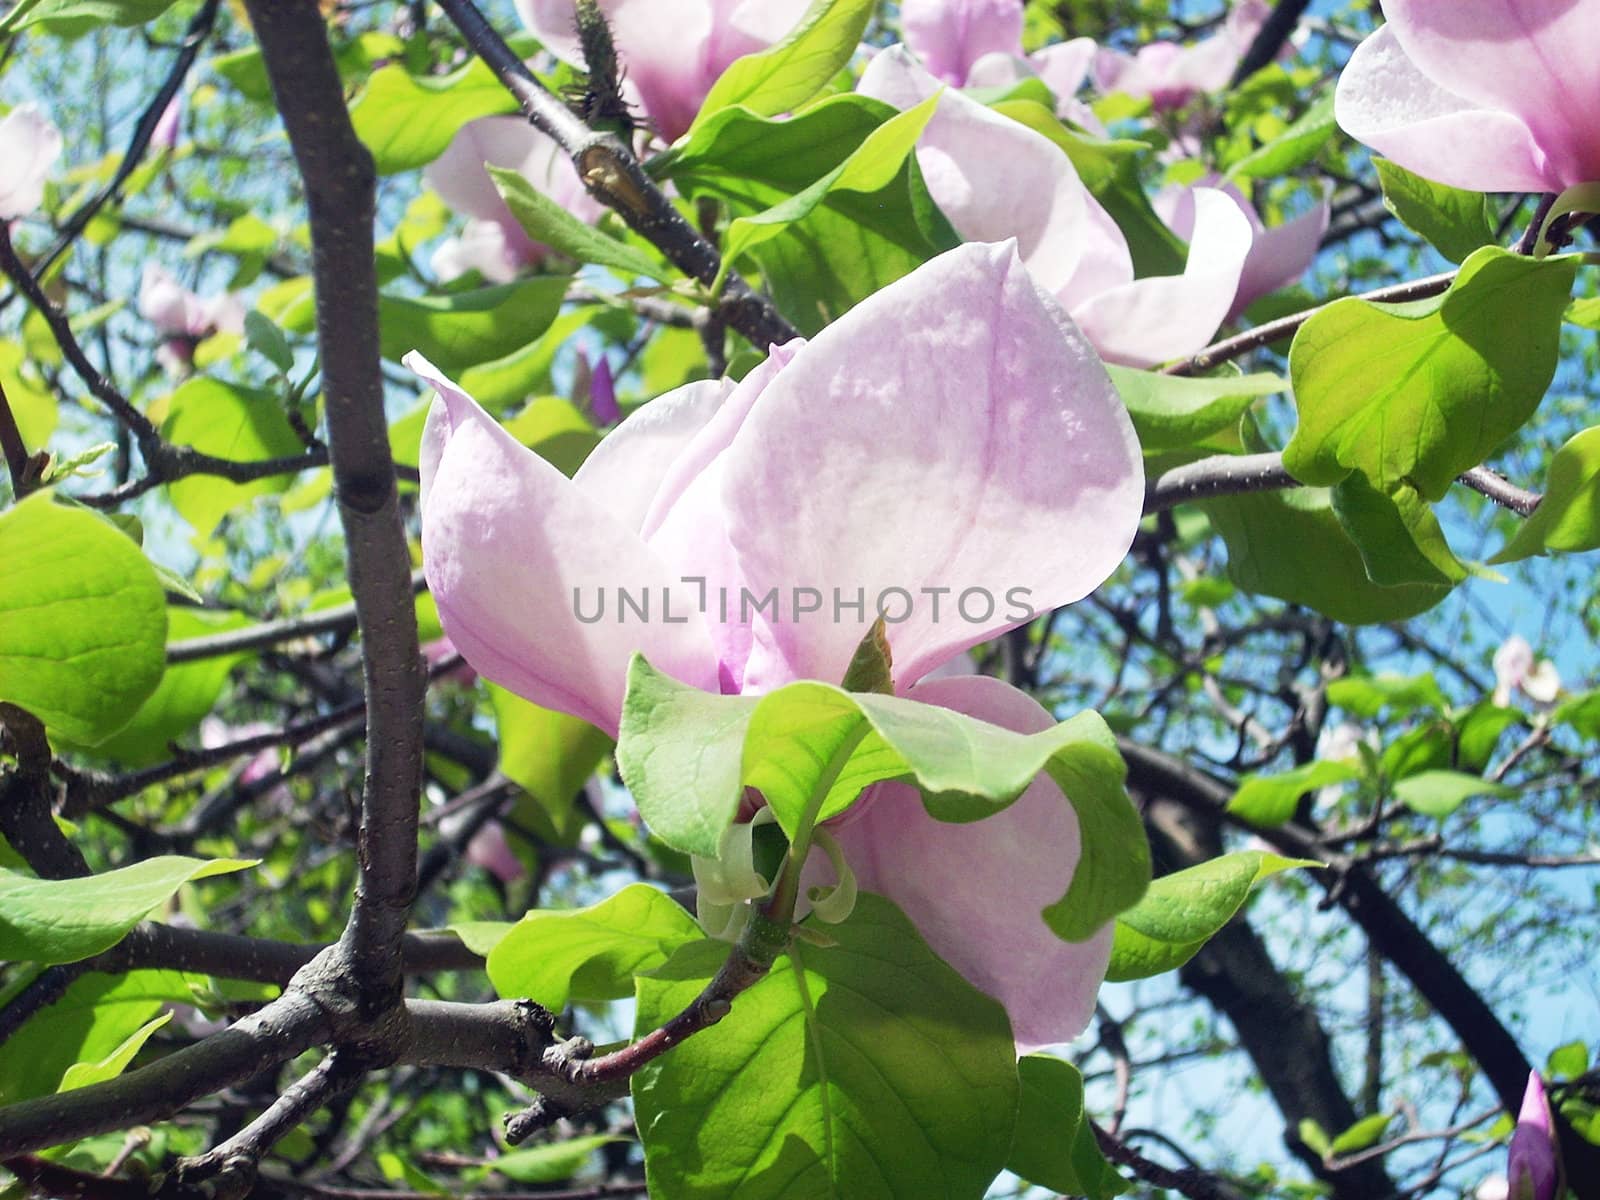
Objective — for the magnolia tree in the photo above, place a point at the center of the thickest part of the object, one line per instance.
(762, 599)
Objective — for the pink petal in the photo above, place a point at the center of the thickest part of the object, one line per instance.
(497, 250)
(514, 551)
(950, 35)
(29, 146)
(1385, 101)
(1532, 59)
(167, 304)
(458, 175)
(1532, 1169)
(1208, 65)
(1279, 256)
(976, 891)
(1168, 316)
(952, 431)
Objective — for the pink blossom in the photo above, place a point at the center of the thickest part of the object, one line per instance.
(441, 648)
(177, 312)
(995, 178)
(29, 146)
(165, 134)
(1172, 75)
(492, 242)
(1278, 256)
(1532, 1168)
(603, 394)
(1488, 95)
(954, 430)
(487, 848)
(1514, 667)
(671, 51)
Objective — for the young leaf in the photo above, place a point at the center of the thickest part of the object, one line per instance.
(1417, 393)
(1452, 221)
(83, 620)
(867, 1067)
(84, 1073)
(233, 422)
(1184, 910)
(1568, 518)
(466, 329)
(548, 754)
(784, 77)
(1171, 412)
(1361, 1135)
(65, 920)
(1437, 794)
(547, 222)
(1268, 800)
(588, 954)
(1294, 147)
(1054, 1147)
(407, 121)
(548, 1164)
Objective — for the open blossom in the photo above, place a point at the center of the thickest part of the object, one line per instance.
(1532, 1168)
(953, 431)
(1172, 75)
(492, 242)
(177, 312)
(1278, 256)
(1514, 668)
(995, 178)
(978, 43)
(29, 146)
(1487, 95)
(671, 51)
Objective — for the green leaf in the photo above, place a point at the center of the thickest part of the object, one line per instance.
(481, 937)
(1184, 910)
(1291, 545)
(548, 754)
(66, 920)
(70, 18)
(267, 340)
(85, 1073)
(871, 167)
(687, 756)
(590, 954)
(783, 77)
(233, 422)
(1270, 800)
(186, 693)
(547, 222)
(1568, 1061)
(1399, 538)
(550, 1164)
(1568, 518)
(1294, 147)
(83, 620)
(1454, 222)
(1171, 412)
(864, 1068)
(1054, 1147)
(32, 404)
(407, 121)
(467, 329)
(1437, 794)
(1417, 393)
(1366, 696)
(1363, 1134)
(1313, 1135)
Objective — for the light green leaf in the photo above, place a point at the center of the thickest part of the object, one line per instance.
(1417, 393)
(1568, 518)
(65, 920)
(84, 1073)
(1269, 800)
(782, 78)
(1314, 1136)
(1363, 1134)
(83, 620)
(1439, 793)
(407, 121)
(1184, 910)
(1454, 222)
(588, 954)
(481, 936)
(233, 422)
(549, 1164)
(1366, 696)
(1294, 147)
(687, 756)
(868, 1068)
(1171, 412)
(1291, 545)
(70, 18)
(1399, 538)
(547, 222)
(1054, 1147)
(267, 340)
(468, 329)
(548, 754)
(1568, 1060)
(32, 405)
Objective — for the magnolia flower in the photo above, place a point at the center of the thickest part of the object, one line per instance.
(492, 242)
(1486, 95)
(1532, 1169)
(954, 431)
(670, 51)
(29, 147)
(995, 178)
(1278, 256)
(1514, 667)
(487, 848)
(978, 43)
(165, 134)
(1172, 75)
(179, 313)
